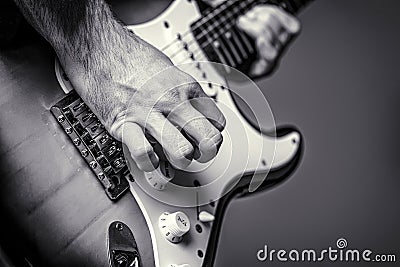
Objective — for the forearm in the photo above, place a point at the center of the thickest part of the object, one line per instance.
(77, 29)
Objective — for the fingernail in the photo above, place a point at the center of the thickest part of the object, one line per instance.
(209, 149)
(154, 160)
(295, 26)
(196, 154)
(186, 151)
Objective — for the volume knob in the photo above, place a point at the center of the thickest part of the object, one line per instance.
(159, 178)
(174, 225)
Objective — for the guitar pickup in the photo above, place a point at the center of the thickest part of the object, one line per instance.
(102, 153)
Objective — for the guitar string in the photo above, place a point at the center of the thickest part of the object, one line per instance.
(200, 46)
(195, 53)
(215, 25)
(213, 12)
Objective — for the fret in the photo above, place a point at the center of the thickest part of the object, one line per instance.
(232, 12)
(216, 42)
(217, 29)
(225, 36)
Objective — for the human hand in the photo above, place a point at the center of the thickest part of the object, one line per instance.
(273, 29)
(115, 80)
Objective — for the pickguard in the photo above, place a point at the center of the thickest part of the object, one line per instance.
(244, 150)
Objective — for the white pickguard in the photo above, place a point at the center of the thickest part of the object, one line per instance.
(243, 151)
(179, 16)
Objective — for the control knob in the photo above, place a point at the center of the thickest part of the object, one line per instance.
(174, 225)
(159, 178)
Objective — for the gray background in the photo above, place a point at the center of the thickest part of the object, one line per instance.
(339, 85)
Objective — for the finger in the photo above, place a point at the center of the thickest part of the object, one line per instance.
(177, 149)
(250, 26)
(206, 137)
(267, 55)
(274, 27)
(259, 67)
(205, 105)
(289, 22)
(283, 24)
(269, 27)
(139, 147)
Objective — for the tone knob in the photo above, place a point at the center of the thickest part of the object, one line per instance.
(159, 178)
(174, 225)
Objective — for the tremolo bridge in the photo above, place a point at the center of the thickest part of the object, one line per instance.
(102, 152)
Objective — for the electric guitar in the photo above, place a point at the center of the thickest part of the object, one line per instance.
(57, 160)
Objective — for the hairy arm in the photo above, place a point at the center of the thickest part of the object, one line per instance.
(86, 38)
(72, 27)
(110, 66)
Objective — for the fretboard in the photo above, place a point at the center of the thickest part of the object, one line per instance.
(220, 39)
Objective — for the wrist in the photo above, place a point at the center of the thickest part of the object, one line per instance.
(89, 40)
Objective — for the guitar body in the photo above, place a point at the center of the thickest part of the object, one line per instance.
(55, 211)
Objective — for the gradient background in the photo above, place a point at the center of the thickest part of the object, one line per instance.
(339, 84)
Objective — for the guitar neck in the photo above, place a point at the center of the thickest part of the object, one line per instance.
(217, 34)
(291, 6)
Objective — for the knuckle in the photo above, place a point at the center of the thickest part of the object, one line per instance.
(211, 132)
(267, 52)
(184, 150)
(214, 137)
(267, 17)
(272, 55)
(185, 78)
(241, 20)
(193, 88)
(169, 96)
(150, 123)
(217, 139)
